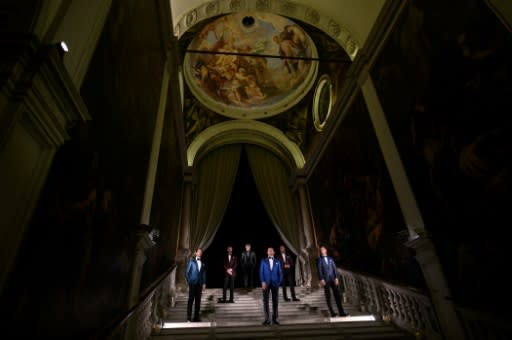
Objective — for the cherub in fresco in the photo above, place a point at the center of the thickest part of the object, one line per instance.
(232, 87)
(253, 91)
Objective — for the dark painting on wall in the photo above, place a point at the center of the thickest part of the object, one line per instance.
(355, 210)
(444, 84)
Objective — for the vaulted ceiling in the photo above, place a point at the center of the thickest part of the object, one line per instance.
(236, 82)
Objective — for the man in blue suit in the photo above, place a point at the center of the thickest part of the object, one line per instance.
(195, 274)
(328, 276)
(271, 276)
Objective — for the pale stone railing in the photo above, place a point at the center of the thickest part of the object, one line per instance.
(147, 316)
(406, 307)
(412, 310)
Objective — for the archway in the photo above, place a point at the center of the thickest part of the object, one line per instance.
(245, 221)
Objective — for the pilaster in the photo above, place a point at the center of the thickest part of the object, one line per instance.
(38, 104)
(425, 251)
(309, 252)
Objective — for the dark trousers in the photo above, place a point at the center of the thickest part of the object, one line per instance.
(271, 289)
(289, 281)
(229, 281)
(248, 272)
(330, 285)
(194, 295)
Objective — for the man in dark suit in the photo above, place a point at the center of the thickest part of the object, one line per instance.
(288, 273)
(230, 264)
(248, 261)
(195, 274)
(271, 276)
(328, 276)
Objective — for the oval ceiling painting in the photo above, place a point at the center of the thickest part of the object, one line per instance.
(250, 65)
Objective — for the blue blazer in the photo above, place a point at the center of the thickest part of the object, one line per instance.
(274, 277)
(193, 275)
(327, 271)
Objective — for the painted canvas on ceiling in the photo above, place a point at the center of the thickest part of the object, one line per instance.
(230, 75)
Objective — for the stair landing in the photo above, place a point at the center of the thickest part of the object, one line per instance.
(305, 319)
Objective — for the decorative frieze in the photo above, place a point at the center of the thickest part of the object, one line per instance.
(289, 9)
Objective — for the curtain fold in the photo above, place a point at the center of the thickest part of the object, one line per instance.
(216, 177)
(271, 178)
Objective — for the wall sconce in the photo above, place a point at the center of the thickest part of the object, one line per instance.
(63, 48)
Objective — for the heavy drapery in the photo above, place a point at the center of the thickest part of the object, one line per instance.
(271, 178)
(216, 175)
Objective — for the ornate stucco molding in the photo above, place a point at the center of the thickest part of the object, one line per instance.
(289, 9)
(246, 131)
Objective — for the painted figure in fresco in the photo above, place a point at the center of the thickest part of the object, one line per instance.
(244, 81)
(271, 277)
(195, 274)
(329, 279)
(248, 261)
(292, 43)
(253, 91)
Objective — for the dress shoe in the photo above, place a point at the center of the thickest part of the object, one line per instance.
(286, 299)
(334, 315)
(295, 299)
(266, 322)
(275, 322)
(344, 314)
(231, 301)
(197, 319)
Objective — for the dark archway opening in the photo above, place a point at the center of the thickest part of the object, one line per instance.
(245, 221)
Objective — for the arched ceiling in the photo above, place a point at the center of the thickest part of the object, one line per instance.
(337, 29)
(356, 16)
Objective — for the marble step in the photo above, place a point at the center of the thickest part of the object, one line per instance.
(248, 307)
(361, 330)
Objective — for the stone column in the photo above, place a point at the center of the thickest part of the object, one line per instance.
(418, 239)
(184, 251)
(144, 239)
(503, 10)
(310, 251)
(143, 242)
(38, 103)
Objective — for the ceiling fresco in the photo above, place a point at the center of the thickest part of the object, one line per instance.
(296, 122)
(250, 65)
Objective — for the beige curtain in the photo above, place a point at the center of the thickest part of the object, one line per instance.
(271, 178)
(216, 176)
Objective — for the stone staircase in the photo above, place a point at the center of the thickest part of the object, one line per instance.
(304, 319)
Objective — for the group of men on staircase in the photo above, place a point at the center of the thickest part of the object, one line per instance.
(274, 272)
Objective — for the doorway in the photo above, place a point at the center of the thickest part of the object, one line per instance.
(245, 221)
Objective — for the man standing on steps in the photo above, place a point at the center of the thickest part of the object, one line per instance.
(328, 276)
(271, 276)
(195, 274)
(230, 264)
(288, 273)
(248, 261)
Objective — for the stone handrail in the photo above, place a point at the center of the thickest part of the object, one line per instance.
(406, 307)
(147, 315)
(412, 310)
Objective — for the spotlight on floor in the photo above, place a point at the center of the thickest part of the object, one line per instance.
(186, 325)
(354, 318)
